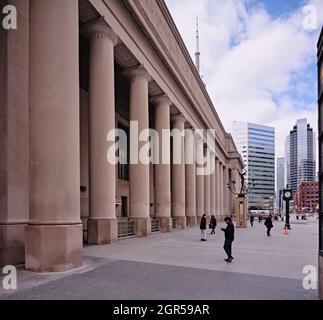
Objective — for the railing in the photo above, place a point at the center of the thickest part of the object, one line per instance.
(174, 223)
(154, 225)
(126, 228)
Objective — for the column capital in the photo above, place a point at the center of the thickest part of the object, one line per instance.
(99, 29)
(162, 99)
(198, 138)
(213, 153)
(178, 117)
(137, 72)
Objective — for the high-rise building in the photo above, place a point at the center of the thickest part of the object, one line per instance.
(256, 144)
(300, 154)
(280, 166)
(287, 162)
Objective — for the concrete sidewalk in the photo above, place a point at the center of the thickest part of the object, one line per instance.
(178, 265)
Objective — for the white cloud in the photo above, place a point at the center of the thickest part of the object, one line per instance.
(256, 68)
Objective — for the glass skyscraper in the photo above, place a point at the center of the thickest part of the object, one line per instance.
(256, 143)
(279, 181)
(300, 154)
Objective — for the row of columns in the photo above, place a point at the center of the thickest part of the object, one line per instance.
(54, 232)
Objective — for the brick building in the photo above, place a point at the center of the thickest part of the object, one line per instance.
(307, 195)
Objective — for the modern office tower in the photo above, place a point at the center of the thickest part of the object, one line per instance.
(280, 166)
(286, 162)
(256, 143)
(300, 151)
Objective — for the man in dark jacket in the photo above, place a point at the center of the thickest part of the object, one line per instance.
(269, 225)
(229, 237)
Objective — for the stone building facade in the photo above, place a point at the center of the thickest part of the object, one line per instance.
(70, 73)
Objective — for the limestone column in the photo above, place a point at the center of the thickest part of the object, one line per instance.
(221, 190)
(139, 170)
(199, 178)
(207, 185)
(212, 186)
(236, 187)
(190, 179)
(102, 223)
(14, 137)
(237, 179)
(162, 170)
(54, 232)
(229, 193)
(217, 187)
(225, 190)
(178, 175)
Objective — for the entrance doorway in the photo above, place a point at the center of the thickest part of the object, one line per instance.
(124, 207)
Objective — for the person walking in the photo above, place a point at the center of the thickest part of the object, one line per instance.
(203, 227)
(252, 218)
(269, 224)
(229, 237)
(212, 224)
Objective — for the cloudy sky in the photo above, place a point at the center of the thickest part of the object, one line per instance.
(258, 61)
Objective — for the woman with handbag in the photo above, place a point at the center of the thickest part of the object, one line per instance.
(212, 224)
(203, 227)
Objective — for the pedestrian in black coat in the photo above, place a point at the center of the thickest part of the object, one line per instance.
(229, 237)
(212, 224)
(203, 227)
(269, 225)
(252, 218)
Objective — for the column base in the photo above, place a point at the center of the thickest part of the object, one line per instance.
(165, 224)
(180, 222)
(143, 226)
(320, 278)
(102, 231)
(54, 248)
(198, 220)
(191, 221)
(12, 244)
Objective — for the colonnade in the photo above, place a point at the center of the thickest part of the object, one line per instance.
(180, 192)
